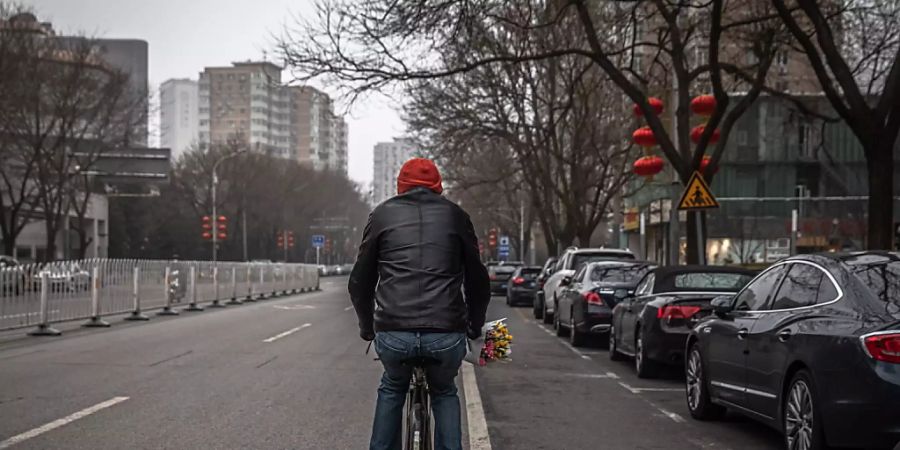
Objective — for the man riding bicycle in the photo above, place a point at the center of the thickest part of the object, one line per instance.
(418, 256)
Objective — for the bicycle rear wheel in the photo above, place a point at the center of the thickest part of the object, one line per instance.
(418, 421)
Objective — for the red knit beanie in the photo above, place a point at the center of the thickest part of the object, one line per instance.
(419, 172)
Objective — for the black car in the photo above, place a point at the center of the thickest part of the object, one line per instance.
(500, 273)
(810, 347)
(652, 325)
(522, 285)
(538, 300)
(588, 297)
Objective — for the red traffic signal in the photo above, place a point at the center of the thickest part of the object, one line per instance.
(206, 226)
(221, 227)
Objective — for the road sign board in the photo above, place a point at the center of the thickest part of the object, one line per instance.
(318, 240)
(697, 195)
(504, 241)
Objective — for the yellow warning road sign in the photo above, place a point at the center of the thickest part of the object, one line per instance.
(697, 195)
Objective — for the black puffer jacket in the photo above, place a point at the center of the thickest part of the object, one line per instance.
(418, 252)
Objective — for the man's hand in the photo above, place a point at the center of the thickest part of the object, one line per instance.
(473, 333)
(367, 335)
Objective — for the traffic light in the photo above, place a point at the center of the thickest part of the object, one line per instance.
(221, 228)
(280, 239)
(290, 239)
(207, 228)
(492, 237)
(328, 244)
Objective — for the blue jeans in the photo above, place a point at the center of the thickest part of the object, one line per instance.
(393, 347)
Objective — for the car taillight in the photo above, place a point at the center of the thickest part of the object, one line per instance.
(593, 298)
(493, 277)
(883, 346)
(676, 312)
(518, 280)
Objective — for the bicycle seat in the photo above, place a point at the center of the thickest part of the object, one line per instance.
(420, 361)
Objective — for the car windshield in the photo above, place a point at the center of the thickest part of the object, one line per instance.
(581, 259)
(624, 273)
(883, 279)
(504, 270)
(712, 281)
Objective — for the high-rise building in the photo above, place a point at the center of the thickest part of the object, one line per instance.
(388, 158)
(247, 103)
(319, 136)
(178, 115)
(341, 144)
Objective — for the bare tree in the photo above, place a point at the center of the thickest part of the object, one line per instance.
(373, 45)
(853, 47)
(62, 107)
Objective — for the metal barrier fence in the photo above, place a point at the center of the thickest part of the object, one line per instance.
(41, 294)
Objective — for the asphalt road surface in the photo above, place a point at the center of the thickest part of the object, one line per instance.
(291, 373)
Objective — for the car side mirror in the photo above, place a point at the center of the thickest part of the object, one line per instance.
(567, 280)
(722, 305)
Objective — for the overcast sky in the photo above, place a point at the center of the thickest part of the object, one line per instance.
(187, 35)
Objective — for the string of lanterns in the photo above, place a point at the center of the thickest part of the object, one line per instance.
(650, 165)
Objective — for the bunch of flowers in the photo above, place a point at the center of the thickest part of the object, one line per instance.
(496, 342)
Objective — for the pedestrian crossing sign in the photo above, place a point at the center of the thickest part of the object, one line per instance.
(697, 195)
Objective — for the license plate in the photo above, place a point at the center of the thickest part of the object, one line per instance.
(531, 285)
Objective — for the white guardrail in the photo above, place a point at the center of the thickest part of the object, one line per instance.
(41, 294)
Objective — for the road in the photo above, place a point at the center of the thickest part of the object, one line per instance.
(291, 373)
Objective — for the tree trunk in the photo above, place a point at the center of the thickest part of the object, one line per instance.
(881, 202)
(50, 253)
(584, 237)
(9, 245)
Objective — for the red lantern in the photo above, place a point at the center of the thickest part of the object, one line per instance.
(704, 163)
(703, 105)
(655, 104)
(697, 131)
(644, 137)
(648, 166)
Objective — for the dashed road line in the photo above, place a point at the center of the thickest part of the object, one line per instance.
(286, 333)
(171, 358)
(60, 422)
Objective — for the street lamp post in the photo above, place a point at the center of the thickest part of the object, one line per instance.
(215, 216)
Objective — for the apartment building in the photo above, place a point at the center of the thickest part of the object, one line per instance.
(178, 115)
(388, 158)
(247, 103)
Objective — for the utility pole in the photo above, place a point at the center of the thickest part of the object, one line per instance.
(215, 215)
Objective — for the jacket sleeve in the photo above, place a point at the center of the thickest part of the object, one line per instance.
(364, 278)
(477, 284)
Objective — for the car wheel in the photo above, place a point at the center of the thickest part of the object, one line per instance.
(644, 367)
(538, 309)
(614, 354)
(697, 389)
(547, 316)
(576, 338)
(802, 424)
(560, 331)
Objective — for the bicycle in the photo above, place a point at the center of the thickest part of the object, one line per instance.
(419, 421)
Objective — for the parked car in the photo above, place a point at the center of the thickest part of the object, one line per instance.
(521, 285)
(652, 324)
(587, 298)
(500, 273)
(336, 270)
(538, 301)
(323, 270)
(810, 347)
(568, 263)
(63, 277)
(12, 276)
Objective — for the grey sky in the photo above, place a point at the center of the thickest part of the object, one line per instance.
(187, 35)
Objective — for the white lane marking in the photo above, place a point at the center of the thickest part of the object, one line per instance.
(637, 390)
(675, 417)
(291, 307)
(589, 375)
(286, 333)
(612, 375)
(60, 422)
(348, 308)
(576, 351)
(479, 439)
